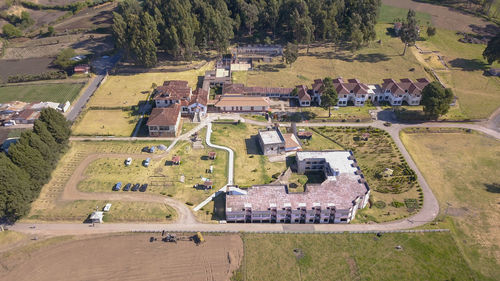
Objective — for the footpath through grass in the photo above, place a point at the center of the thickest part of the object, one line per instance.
(41, 92)
(462, 170)
(430, 256)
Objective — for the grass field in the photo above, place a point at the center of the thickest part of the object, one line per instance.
(250, 166)
(432, 256)
(370, 64)
(43, 92)
(390, 14)
(129, 90)
(374, 156)
(116, 122)
(120, 212)
(48, 206)
(10, 237)
(163, 177)
(347, 112)
(462, 170)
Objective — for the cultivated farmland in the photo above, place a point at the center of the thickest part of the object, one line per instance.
(462, 170)
(124, 257)
(41, 92)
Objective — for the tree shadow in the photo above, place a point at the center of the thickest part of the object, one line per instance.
(488, 30)
(252, 146)
(372, 58)
(468, 64)
(493, 187)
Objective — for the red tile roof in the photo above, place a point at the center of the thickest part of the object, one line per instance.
(166, 116)
(302, 93)
(173, 90)
(199, 96)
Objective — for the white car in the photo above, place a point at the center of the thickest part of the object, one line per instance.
(128, 162)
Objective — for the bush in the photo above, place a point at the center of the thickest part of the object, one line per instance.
(397, 204)
(189, 203)
(63, 59)
(36, 77)
(11, 31)
(380, 204)
(276, 175)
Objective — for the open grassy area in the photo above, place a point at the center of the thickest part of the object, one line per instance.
(462, 170)
(389, 14)
(48, 204)
(120, 212)
(163, 177)
(370, 64)
(250, 166)
(187, 125)
(10, 237)
(432, 256)
(130, 89)
(477, 93)
(41, 92)
(351, 113)
(116, 122)
(374, 156)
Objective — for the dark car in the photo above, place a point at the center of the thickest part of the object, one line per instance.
(143, 187)
(145, 149)
(135, 187)
(127, 187)
(117, 186)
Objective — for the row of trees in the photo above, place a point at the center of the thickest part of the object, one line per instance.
(183, 27)
(29, 162)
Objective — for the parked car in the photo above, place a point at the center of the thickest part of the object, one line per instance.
(117, 186)
(145, 149)
(127, 187)
(146, 162)
(143, 187)
(135, 187)
(128, 161)
(152, 149)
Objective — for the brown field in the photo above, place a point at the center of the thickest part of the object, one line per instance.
(89, 18)
(26, 66)
(124, 257)
(444, 17)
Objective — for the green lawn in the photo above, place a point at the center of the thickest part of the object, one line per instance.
(432, 256)
(351, 113)
(462, 170)
(389, 14)
(41, 92)
(250, 166)
(116, 122)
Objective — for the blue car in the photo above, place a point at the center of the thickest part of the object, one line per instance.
(127, 187)
(152, 149)
(117, 186)
(146, 162)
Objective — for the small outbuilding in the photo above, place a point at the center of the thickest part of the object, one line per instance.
(388, 172)
(82, 68)
(176, 160)
(96, 217)
(211, 155)
(304, 135)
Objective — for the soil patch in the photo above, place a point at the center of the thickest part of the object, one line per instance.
(127, 257)
(26, 66)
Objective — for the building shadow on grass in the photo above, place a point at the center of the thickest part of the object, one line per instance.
(219, 211)
(493, 187)
(252, 146)
(468, 64)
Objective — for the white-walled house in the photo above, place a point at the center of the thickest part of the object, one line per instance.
(352, 90)
(406, 90)
(165, 121)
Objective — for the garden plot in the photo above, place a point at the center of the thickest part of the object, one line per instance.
(393, 183)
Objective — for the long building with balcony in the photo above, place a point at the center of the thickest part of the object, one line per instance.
(335, 200)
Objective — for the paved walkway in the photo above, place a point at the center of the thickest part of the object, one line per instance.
(187, 222)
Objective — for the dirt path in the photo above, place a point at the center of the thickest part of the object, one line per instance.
(444, 17)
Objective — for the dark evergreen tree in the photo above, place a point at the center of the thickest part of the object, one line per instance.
(329, 97)
(436, 100)
(409, 30)
(15, 190)
(30, 160)
(57, 125)
(492, 51)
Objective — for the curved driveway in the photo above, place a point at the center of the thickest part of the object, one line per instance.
(187, 222)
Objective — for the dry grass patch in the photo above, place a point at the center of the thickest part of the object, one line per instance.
(462, 170)
(129, 90)
(115, 122)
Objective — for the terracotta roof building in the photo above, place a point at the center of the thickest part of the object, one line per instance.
(240, 89)
(405, 90)
(172, 92)
(242, 104)
(165, 122)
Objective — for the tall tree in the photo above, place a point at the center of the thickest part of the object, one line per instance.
(40, 128)
(329, 97)
(409, 30)
(57, 125)
(33, 140)
(250, 14)
(15, 190)
(303, 29)
(30, 160)
(492, 51)
(436, 100)
(119, 28)
(146, 54)
(291, 53)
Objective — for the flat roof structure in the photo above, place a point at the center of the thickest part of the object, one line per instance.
(270, 137)
(337, 159)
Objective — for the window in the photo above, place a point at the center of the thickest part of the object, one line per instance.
(164, 128)
(251, 108)
(325, 220)
(345, 96)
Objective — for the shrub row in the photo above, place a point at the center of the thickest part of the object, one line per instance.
(72, 7)
(35, 77)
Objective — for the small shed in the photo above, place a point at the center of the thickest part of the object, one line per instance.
(96, 217)
(82, 68)
(208, 184)
(212, 155)
(304, 135)
(176, 160)
(365, 136)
